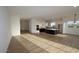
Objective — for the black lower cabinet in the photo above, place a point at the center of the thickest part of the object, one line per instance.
(42, 30)
(48, 31)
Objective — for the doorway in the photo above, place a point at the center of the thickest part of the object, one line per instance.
(60, 27)
(24, 26)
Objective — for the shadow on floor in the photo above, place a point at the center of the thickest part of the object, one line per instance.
(23, 46)
(16, 47)
(68, 40)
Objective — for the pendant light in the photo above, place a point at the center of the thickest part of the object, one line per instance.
(75, 15)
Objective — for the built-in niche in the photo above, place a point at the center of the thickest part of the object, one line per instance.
(70, 26)
(73, 26)
(77, 26)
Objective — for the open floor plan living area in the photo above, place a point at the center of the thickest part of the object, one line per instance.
(39, 29)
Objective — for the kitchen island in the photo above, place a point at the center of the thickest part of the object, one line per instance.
(49, 31)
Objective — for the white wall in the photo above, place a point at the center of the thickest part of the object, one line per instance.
(15, 25)
(32, 26)
(34, 22)
(5, 34)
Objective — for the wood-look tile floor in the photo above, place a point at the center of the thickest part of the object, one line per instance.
(44, 43)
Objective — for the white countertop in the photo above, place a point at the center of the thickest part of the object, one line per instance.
(52, 29)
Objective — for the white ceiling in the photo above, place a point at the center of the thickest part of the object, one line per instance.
(44, 12)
